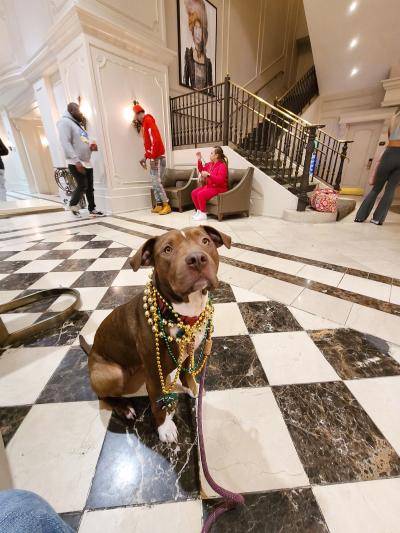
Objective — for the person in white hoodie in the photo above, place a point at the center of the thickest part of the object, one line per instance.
(78, 150)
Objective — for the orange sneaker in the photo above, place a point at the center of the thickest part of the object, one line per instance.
(166, 209)
(157, 208)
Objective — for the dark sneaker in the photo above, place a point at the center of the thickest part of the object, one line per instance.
(96, 213)
(376, 222)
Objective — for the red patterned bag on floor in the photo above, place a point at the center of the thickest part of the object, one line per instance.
(324, 200)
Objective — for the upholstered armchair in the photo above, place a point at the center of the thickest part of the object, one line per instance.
(179, 185)
(237, 199)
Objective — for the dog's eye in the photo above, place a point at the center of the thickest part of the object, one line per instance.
(206, 241)
(168, 249)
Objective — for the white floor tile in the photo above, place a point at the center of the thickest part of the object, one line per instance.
(87, 253)
(56, 279)
(128, 277)
(40, 265)
(368, 287)
(55, 451)
(323, 305)
(182, 517)
(90, 298)
(228, 320)
(90, 328)
(292, 358)
(275, 289)
(309, 321)
(16, 246)
(243, 295)
(380, 397)
(16, 321)
(70, 245)
(322, 275)
(114, 263)
(239, 276)
(25, 371)
(395, 295)
(364, 507)
(28, 255)
(375, 322)
(248, 444)
(6, 296)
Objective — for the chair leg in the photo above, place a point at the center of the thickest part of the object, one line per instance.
(220, 217)
(180, 209)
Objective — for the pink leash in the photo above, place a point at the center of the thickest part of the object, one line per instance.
(231, 499)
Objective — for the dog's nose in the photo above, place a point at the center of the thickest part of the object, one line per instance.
(197, 260)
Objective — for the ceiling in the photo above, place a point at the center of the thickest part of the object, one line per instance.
(332, 27)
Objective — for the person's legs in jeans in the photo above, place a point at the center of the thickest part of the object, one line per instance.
(385, 168)
(24, 511)
(157, 170)
(90, 190)
(81, 187)
(381, 211)
(3, 191)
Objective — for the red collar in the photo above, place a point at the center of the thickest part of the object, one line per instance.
(166, 313)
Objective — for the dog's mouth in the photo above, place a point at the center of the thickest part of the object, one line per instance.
(193, 281)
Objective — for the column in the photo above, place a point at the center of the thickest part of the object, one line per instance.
(48, 110)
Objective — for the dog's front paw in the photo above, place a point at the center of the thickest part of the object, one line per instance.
(168, 431)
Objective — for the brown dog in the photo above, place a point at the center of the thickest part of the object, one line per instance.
(123, 357)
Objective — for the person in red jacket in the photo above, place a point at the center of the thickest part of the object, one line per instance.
(155, 152)
(214, 180)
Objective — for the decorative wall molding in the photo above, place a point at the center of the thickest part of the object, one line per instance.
(103, 62)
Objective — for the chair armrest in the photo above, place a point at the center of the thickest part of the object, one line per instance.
(240, 193)
(171, 177)
(190, 183)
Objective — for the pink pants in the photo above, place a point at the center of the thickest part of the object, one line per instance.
(201, 195)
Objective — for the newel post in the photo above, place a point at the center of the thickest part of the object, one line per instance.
(227, 91)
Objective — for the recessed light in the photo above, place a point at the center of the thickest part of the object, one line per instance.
(353, 43)
(354, 71)
(353, 7)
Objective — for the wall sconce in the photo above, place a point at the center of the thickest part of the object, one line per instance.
(85, 109)
(44, 141)
(128, 114)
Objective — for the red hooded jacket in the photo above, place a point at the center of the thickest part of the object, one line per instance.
(153, 145)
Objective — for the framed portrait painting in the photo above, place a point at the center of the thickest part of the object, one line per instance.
(197, 38)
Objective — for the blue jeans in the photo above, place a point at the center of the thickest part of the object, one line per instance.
(22, 512)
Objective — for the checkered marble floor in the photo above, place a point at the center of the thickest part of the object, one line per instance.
(300, 416)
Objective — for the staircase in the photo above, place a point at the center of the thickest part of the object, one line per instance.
(273, 138)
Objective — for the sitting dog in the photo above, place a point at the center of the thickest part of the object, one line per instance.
(129, 350)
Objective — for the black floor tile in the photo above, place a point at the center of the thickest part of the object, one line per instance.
(117, 252)
(268, 317)
(10, 420)
(336, 440)
(135, 468)
(96, 278)
(61, 335)
(355, 355)
(223, 294)
(283, 511)
(118, 295)
(70, 381)
(234, 364)
(19, 281)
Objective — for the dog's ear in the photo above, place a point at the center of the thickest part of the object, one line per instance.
(144, 256)
(218, 237)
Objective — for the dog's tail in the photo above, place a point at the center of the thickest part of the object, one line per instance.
(84, 345)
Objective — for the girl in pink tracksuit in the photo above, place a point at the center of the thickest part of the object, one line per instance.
(214, 179)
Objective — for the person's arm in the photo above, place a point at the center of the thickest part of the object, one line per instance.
(218, 177)
(65, 132)
(150, 132)
(3, 149)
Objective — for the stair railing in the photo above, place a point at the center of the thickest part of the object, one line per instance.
(274, 139)
(300, 93)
